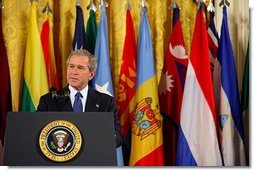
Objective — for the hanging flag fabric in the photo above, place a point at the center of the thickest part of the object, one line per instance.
(197, 139)
(171, 88)
(102, 80)
(127, 85)
(91, 32)
(79, 35)
(146, 140)
(35, 82)
(245, 104)
(5, 86)
(48, 51)
(213, 40)
(245, 84)
(231, 124)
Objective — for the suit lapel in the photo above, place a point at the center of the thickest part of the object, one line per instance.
(92, 102)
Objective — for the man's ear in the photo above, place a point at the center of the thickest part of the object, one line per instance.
(92, 74)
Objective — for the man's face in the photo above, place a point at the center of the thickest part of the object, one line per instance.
(78, 73)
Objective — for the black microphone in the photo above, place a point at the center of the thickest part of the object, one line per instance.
(66, 92)
(53, 92)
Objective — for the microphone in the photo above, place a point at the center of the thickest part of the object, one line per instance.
(66, 92)
(53, 92)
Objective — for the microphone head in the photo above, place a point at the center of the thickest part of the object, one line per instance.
(53, 92)
(66, 91)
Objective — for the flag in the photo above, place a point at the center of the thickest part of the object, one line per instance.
(197, 137)
(213, 40)
(35, 82)
(212, 43)
(91, 32)
(5, 86)
(48, 51)
(79, 35)
(102, 80)
(127, 85)
(171, 88)
(245, 84)
(146, 140)
(231, 123)
(245, 104)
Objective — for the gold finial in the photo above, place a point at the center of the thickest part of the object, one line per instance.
(210, 7)
(47, 9)
(224, 2)
(143, 3)
(128, 5)
(92, 6)
(174, 5)
(103, 3)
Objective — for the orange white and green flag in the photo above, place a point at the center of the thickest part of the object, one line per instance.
(35, 76)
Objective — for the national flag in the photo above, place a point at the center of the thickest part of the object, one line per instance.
(48, 51)
(245, 84)
(91, 32)
(231, 123)
(5, 86)
(102, 80)
(245, 104)
(213, 40)
(171, 87)
(127, 85)
(146, 140)
(197, 138)
(79, 35)
(35, 82)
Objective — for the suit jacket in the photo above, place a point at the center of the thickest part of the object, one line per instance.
(96, 102)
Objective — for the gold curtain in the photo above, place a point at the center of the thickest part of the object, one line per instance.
(15, 17)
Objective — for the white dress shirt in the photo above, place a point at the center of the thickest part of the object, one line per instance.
(84, 93)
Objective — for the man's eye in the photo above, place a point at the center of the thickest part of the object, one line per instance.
(81, 68)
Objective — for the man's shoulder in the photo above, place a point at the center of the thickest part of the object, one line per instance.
(46, 96)
(101, 94)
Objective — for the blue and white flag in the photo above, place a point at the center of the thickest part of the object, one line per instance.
(231, 123)
(79, 35)
(102, 80)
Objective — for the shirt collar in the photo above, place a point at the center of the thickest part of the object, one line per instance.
(73, 91)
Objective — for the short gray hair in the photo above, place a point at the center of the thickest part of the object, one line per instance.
(84, 52)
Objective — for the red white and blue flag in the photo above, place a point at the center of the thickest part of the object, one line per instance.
(197, 139)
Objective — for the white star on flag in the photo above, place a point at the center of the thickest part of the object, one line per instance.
(103, 88)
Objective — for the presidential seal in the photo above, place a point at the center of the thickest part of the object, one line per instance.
(60, 141)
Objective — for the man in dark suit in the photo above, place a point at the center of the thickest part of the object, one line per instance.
(78, 95)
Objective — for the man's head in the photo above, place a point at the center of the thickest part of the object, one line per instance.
(81, 67)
